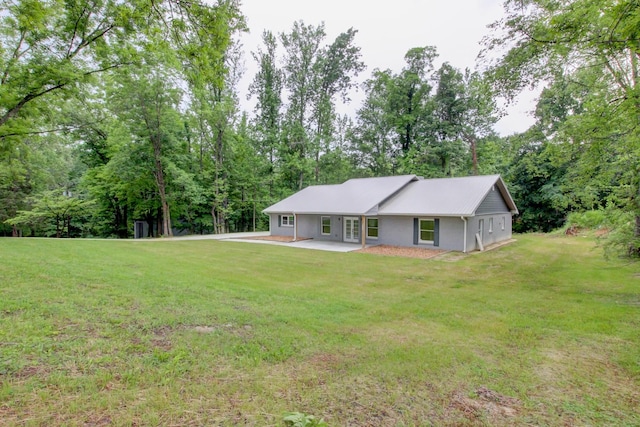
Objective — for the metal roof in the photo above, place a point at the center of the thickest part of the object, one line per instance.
(359, 196)
(396, 195)
(446, 196)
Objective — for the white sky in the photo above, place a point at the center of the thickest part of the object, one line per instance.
(386, 31)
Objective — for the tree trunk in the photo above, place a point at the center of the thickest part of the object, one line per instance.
(58, 229)
(215, 220)
(159, 176)
(474, 156)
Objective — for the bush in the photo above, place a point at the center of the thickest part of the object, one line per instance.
(592, 220)
(298, 419)
(621, 241)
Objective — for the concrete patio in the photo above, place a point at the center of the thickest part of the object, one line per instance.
(319, 245)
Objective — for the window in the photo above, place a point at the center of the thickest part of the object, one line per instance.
(286, 220)
(490, 225)
(326, 225)
(504, 220)
(372, 228)
(427, 230)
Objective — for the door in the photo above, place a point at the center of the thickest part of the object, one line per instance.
(351, 229)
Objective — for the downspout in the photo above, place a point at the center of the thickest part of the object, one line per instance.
(295, 227)
(464, 250)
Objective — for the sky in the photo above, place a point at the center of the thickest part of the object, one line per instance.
(386, 31)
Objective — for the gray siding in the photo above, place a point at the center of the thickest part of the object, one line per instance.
(493, 203)
(309, 226)
(489, 236)
(277, 230)
(398, 231)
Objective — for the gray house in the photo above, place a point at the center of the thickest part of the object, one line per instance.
(460, 214)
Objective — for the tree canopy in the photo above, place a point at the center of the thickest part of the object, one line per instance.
(133, 109)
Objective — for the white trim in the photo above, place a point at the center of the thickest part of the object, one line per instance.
(290, 220)
(377, 227)
(428, 242)
(354, 229)
(322, 225)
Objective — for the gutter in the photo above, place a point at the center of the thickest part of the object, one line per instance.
(295, 227)
(464, 249)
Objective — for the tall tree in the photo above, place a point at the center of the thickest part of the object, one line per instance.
(149, 105)
(302, 45)
(334, 69)
(372, 137)
(409, 95)
(267, 87)
(548, 39)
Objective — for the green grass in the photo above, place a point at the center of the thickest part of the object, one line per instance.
(221, 333)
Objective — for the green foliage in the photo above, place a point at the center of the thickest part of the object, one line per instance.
(298, 419)
(589, 111)
(621, 240)
(53, 211)
(593, 219)
(423, 121)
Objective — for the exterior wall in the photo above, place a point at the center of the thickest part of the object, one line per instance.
(398, 231)
(278, 230)
(309, 226)
(489, 237)
(492, 207)
(493, 203)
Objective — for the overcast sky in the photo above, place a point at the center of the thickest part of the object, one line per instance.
(386, 31)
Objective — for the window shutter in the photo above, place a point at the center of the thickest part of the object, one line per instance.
(436, 232)
(279, 220)
(416, 231)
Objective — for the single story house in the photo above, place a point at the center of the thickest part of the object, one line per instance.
(459, 214)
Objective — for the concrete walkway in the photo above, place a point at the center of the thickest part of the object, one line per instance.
(246, 238)
(320, 245)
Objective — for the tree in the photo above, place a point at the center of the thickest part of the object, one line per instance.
(596, 43)
(48, 208)
(334, 69)
(149, 105)
(267, 88)
(409, 94)
(302, 45)
(372, 137)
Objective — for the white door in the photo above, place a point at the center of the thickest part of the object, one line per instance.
(351, 229)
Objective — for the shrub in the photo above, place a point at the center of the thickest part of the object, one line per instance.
(592, 219)
(298, 419)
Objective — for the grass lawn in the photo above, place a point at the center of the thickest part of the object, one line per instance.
(544, 331)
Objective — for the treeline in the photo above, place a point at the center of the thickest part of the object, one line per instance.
(118, 112)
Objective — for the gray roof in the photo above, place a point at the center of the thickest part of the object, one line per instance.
(446, 196)
(354, 197)
(396, 195)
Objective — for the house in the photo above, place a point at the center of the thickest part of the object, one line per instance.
(459, 214)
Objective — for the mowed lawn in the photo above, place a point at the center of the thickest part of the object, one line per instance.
(544, 331)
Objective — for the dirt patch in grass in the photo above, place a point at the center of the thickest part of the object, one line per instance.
(400, 251)
(98, 420)
(488, 403)
(30, 371)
